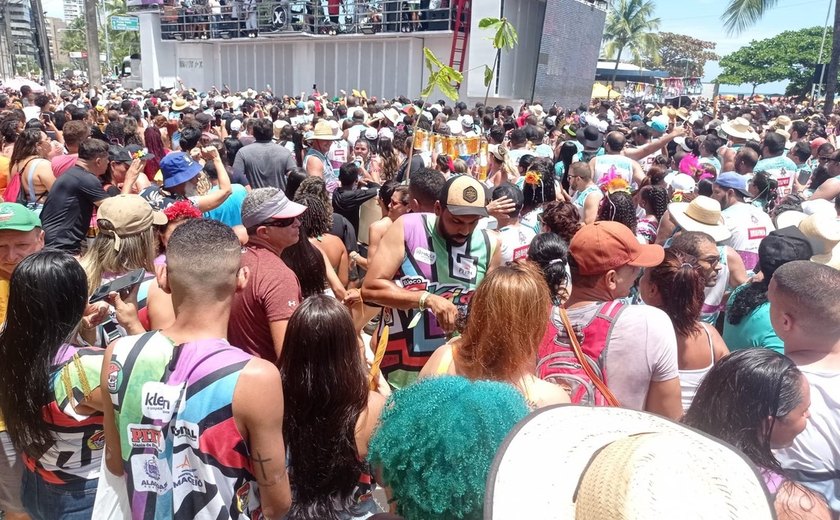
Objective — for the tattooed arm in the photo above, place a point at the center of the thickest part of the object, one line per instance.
(258, 410)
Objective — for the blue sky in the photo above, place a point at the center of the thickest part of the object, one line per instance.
(702, 19)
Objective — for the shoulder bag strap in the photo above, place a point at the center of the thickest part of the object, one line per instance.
(597, 381)
(65, 378)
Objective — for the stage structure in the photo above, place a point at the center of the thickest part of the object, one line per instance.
(291, 45)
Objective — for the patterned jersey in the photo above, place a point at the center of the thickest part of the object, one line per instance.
(183, 455)
(430, 264)
(76, 452)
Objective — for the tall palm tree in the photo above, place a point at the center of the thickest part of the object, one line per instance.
(630, 25)
(741, 14)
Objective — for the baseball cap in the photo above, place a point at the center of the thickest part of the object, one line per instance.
(605, 245)
(138, 152)
(734, 181)
(782, 246)
(235, 125)
(277, 206)
(178, 168)
(117, 153)
(124, 215)
(462, 195)
(16, 217)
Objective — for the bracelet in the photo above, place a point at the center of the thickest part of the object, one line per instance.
(422, 303)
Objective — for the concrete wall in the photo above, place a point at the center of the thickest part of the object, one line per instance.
(568, 55)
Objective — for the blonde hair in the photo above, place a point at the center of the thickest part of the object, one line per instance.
(502, 156)
(508, 317)
(136, 251)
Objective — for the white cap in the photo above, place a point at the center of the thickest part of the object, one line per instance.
(684, 183)
(235, 125)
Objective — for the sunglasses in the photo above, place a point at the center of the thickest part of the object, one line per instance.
(279, 222)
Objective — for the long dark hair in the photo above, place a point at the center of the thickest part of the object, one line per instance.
(47, 296)
(656, 197)
(737, 396)
(551, 254)
(26, 145)
(619, 207)
(325, 392)
(307, 262)
(680, 282)
(542, 191)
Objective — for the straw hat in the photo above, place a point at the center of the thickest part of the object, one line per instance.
(588, 463)
(323, 132)
(683, 113)
(537, 110)
(701, 214)
(789, 218)
(179, 104)
(823, 231)
(739, 128)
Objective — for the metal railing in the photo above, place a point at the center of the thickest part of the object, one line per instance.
(252, 18)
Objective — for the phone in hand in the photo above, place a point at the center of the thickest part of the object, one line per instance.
(123, 285)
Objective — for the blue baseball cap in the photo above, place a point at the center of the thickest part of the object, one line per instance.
(178, 168)
(659, 126)
(734, 181)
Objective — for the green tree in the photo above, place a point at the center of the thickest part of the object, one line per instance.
(741, 14)
(631, 26)
(505, 37)
(790, 55)
(682, 55)
(123, 43)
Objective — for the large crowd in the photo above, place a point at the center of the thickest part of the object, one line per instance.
(243, 305)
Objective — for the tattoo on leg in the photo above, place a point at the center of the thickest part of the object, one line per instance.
(261, 462)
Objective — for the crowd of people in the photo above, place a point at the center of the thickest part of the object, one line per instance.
(240, 305)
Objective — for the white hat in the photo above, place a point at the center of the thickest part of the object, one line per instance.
(603, 126)
(466, 120)
(701, 214)
(587, 463)
(235, 125)
(789, 218)
(370, 134)
(682, 144)
(455, 127)
(386, 133)
(682, 182)
(739, 128)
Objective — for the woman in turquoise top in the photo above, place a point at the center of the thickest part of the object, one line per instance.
(747, 322)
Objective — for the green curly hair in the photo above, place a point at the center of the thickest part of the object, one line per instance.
(436, 442)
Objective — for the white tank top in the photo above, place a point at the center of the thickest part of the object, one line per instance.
(713, 296)
(691, 379)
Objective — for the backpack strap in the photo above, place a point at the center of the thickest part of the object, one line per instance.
(576, 348)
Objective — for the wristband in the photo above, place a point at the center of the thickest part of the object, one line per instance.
(422, 303)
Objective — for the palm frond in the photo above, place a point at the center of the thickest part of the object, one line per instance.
(741, 14)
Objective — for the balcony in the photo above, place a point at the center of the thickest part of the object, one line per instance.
(295, 17)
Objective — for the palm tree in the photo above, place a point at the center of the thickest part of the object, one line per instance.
(741, 14)
(630, 25)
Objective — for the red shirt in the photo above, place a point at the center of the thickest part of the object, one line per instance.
(272, 294)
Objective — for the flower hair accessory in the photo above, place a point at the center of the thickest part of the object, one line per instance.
(139, 154)
(613, 182)
(533, 178)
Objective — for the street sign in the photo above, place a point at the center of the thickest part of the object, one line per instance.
(125, 23)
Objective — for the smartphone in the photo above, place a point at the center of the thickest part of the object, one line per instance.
(123, 285)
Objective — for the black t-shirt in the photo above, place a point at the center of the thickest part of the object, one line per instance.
(69, 207)
(346, 202)
(417, 162)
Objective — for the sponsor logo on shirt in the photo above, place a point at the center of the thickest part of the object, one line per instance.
(145, 436)
(520, 253)
(756, 233)
(150, 474)
(422, 254)
(158, 400)
(96, 441)
(114, 376)
(243, 497)
(185, 474)
(185, 432)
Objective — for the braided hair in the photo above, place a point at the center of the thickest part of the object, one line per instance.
(767, 189)
(619, 207)
(656, 198)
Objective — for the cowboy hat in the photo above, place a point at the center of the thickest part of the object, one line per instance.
(619, 463)
(701, 214)
(323, 132)
(590, 137)
(739, 128)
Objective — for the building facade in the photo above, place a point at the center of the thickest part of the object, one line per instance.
(73, 9)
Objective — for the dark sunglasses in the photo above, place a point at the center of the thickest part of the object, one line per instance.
(279, 222)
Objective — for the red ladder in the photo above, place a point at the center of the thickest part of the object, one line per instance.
(461, 35)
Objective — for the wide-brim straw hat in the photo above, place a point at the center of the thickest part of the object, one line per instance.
(323, 132)
(823, 231)
(739, 128)
(789, 218)
(599, 463)
(701, 214)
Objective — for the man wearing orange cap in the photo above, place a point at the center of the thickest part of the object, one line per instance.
(639, 352)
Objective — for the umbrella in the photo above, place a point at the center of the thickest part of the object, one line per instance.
(601, 91)
(17, 83)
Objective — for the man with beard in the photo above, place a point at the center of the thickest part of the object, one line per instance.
(429, 262)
